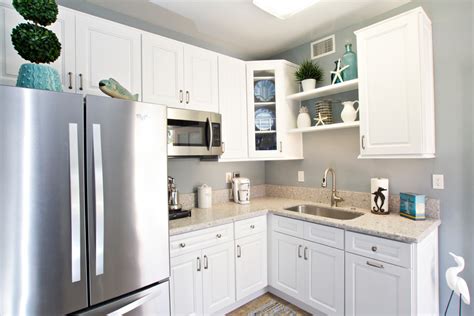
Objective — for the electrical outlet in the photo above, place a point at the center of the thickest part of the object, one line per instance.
(438, 181)
(228, 177)
(300, 176)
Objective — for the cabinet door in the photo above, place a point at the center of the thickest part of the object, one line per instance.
(106, 50)
(287, 265)
(233, 107)
(373, 286)
(186, 284)
(390, 88)
(251, 264)
(162, 71)
(200, 79)
(325, 278)
(218, 277)
(10, 61)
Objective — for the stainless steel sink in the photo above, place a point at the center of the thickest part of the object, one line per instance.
(324, 211)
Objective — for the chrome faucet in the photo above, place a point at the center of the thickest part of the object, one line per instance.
(324, 184)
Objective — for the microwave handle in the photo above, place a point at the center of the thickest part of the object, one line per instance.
(209, 125)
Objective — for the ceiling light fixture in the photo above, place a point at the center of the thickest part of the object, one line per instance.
(283, 9)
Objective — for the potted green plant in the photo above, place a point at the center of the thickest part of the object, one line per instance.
(308, 74)
(37, 44)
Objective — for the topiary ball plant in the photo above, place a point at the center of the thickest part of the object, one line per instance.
(37, 44)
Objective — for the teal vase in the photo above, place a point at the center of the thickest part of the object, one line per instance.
(349, 59)
(37, 76)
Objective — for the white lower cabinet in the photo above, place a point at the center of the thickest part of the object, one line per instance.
(251, 264)
(376, 288)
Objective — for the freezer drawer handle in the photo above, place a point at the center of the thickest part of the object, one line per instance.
(133, 305)
(75, 203)
(99, 200)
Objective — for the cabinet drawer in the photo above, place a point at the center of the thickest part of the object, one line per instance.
(329, 236)
(197, 240)
(288, 226)
(379, 248)
(250, 226)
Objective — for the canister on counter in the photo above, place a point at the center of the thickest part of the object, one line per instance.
(412, 206)
(204, 196)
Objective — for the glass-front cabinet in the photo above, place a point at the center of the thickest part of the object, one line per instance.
(270, 116)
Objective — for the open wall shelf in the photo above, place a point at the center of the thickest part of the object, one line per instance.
(325, 91)
(324, 127)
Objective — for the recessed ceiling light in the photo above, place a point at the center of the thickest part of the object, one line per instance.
(283, 9)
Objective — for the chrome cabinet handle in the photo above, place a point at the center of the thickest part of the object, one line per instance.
(374, 248)
(198, 264)
(75, 203)
(182, 245)
(99, 200)
(218, 235)
(375, 265)
(135, 304)
(299, 251)
(305, 254)
(180, 96)
(239, 252)
(362, 142)
(252, 226)
(80, 82)
(70, 80)
(187, 97)
(206, 264)
(281, 147)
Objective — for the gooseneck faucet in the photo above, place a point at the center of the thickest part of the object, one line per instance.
(324, 184)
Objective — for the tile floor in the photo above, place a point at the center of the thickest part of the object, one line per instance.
(261, 300)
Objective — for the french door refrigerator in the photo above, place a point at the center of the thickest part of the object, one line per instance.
(83, 205)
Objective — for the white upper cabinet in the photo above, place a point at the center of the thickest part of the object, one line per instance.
(233, 107)
(200, 79)
(395, 59)
(106, 50)
(163, 71)
(10, 61)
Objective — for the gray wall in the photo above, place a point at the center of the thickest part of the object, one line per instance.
(453, 60)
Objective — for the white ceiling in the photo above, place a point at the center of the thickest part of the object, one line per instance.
(239, 27)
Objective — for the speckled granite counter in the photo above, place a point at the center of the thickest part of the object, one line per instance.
(391, 226)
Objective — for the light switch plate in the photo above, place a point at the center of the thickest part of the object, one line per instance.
(300, 176)
(438, 181)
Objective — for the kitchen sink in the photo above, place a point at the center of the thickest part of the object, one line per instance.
(324, 212)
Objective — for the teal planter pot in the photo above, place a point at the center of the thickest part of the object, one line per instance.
(37, 76)
(349, 59)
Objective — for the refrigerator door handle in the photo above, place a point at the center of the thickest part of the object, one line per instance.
(99, 200)
(133, 305)
(75, 203)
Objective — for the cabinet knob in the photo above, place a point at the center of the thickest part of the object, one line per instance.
(374, 248)
(182, 245)
(218, 235)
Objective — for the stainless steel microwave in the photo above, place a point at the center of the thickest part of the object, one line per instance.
(194, 134)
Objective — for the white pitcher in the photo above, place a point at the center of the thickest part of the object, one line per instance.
(349, 114)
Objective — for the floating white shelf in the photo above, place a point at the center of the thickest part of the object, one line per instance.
(324, 127)
(326, 90)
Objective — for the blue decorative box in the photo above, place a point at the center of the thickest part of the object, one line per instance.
(412, 206)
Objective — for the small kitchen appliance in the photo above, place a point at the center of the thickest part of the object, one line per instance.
(175, 209)
(241, 190)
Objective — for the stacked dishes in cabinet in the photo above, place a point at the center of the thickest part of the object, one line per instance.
(265, 111)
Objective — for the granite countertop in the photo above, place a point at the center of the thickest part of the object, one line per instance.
(391, 226)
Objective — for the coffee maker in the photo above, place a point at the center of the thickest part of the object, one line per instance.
(175, 209)
(241, 190)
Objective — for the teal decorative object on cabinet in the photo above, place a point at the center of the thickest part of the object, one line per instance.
(349, 59)
(38, 76)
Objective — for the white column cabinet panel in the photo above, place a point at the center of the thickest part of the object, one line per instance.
(105, 50)
(233, 107)
(251, 264)
(396, 110)
(200, 79)
(218, 277)
(186, 284)
(287, 265)
(374, 286)
(163, 71)
(10, 61)
(325, 278)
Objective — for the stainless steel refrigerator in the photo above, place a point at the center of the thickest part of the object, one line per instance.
(83, 205)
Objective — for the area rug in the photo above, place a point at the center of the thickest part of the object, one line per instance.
(273, 307)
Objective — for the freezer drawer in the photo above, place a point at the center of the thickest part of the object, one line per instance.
(152, 301)
(127, 196)
(42, 201)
